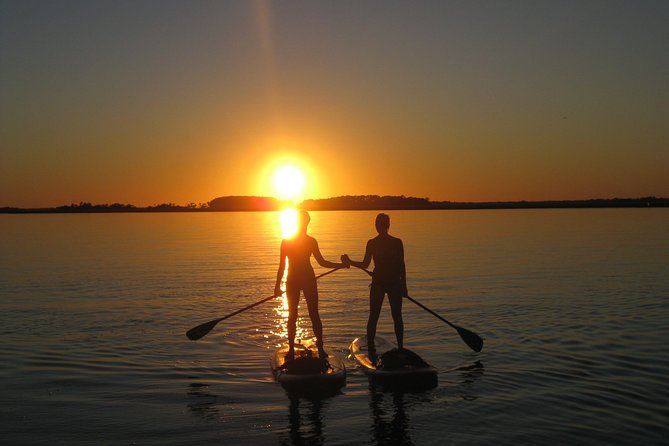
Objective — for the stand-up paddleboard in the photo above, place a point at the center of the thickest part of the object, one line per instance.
(388, 365)
(307, 372)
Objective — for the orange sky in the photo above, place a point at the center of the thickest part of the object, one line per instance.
(463, 102)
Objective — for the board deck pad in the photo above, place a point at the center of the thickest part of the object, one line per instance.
(391, 366)
(307, 371)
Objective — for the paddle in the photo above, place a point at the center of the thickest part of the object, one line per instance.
(201, 330)
(474, 341)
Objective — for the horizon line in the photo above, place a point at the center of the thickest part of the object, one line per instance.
(255, 203)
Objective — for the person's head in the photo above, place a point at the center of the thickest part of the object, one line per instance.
(303, 220)
(382, 223)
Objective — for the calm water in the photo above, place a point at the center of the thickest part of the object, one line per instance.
(573, 306)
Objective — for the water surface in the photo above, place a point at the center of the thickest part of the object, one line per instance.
(573, 306)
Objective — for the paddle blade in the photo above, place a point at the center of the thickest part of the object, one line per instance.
(201, 330)
(474, 341)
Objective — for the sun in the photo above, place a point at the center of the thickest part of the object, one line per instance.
(288, 182)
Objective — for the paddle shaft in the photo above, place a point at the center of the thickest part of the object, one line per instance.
(269, 298)
(202, 329)
(248, 307)
(474, 341)
(417, 303)
(430, 311)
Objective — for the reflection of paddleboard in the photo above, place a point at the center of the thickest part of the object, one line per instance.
(392, 366)
(307, 372)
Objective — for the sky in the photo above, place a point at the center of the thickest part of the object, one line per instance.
(148, 102)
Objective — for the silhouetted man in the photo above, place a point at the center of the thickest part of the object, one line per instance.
(389, 277)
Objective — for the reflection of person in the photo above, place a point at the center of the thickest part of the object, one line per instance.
(305, 427)
(298, 250)
(390, 428)
(389, 277)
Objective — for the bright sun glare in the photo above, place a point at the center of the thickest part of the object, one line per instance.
(288, 182)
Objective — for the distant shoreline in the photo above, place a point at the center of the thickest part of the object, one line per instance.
(343, 203)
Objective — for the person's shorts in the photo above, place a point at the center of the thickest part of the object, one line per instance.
(304, 283)
(391, 289)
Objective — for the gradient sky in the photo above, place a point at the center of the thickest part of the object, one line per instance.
(147, 102)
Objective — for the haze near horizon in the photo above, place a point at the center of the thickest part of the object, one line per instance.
(150, 102)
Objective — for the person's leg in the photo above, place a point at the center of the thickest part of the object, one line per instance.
(395, 299)
(293, 296)
(375, 302)
(311, 296)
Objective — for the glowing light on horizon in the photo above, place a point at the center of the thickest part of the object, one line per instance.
(288, 182)
(286, 174)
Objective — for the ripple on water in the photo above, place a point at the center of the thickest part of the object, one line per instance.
(95, 350)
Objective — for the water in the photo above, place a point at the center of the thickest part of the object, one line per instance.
(573, 306)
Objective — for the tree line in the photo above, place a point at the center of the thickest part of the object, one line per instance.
(343, 203)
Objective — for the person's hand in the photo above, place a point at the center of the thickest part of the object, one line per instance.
(345, 261)
(277, 290)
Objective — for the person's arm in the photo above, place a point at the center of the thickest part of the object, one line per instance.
(322, 262)
(366, 261)
(279, 273)
(403, 270)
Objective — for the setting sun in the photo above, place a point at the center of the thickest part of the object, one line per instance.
(288, 182)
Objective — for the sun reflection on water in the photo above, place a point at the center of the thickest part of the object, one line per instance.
(281, 317)
(288, 219)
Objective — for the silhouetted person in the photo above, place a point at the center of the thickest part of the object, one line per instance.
(301, 277)
(389, 278)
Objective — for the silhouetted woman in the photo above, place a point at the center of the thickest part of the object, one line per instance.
(301, 277)
(389, 277)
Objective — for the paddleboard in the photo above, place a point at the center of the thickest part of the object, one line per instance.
(391, 366)
(307, 373)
